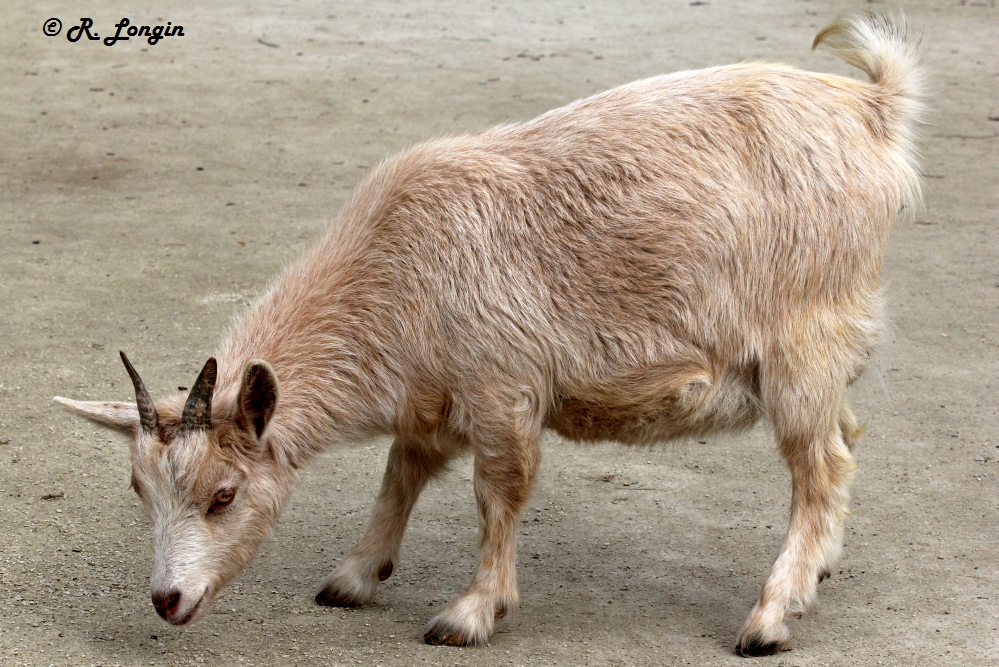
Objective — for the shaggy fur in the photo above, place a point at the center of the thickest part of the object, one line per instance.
(673, 257)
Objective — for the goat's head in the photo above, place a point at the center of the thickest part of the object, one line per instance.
(211, 485)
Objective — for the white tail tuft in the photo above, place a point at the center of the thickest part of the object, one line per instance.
(881, 47)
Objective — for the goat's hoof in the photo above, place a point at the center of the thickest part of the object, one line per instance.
(467, 621)
(755, 645)
(353, 583)
(333, 597)
(823, 575)
(444, 636)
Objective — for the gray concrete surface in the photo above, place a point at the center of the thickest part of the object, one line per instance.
(148, 192)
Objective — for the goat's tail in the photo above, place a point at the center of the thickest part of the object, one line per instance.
(881, 47)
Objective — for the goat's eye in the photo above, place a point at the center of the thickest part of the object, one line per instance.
(222, 500)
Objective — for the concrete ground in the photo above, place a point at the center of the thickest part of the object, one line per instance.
(148, 192)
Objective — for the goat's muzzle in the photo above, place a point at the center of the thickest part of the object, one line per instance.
(168, 606)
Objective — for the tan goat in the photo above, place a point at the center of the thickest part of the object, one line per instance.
(673, 257)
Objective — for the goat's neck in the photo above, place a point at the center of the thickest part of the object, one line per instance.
(333, 386)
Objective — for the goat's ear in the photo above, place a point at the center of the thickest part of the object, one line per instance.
(123, 417)
(258, 397)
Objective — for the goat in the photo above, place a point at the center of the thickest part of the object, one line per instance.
(677, 256)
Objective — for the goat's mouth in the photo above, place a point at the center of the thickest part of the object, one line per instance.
(194, 612)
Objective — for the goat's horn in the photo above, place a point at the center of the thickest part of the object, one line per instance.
(148, 418)
(197, 413)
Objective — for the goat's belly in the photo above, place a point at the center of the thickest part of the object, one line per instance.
(658, 404)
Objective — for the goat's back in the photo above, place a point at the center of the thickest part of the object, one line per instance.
(699, 218)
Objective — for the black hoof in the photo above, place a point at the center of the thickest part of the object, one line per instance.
(329, 597)
(385, 571)
(445, 637)
(755, 646)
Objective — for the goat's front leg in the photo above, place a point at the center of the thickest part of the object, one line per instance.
(410, 466)
(503, 477)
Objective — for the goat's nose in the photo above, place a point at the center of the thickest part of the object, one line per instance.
(166, 602)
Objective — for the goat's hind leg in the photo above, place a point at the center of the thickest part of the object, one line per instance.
(353, 582)
(808, 421)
